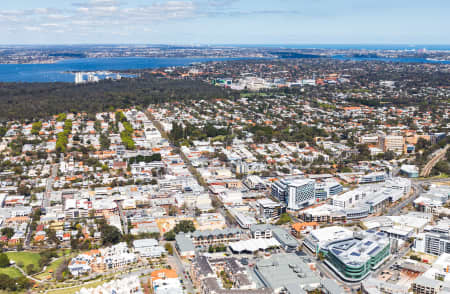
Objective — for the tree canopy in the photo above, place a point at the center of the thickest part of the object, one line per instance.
(4, 260)
(110, 235)
(42, 100)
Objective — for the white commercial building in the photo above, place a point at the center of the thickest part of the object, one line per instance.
(318, 239)
(296, 193)
(148, 248)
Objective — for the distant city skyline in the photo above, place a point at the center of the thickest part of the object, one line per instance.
(225, 22)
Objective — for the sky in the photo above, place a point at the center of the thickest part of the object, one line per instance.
(202, 22)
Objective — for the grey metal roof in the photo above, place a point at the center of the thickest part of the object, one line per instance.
(184, 243)
(332, 287)
(294, 289)
(216, 232)
(282, 270)
(260, 227)
(427, 282)
(284, 237)
(145, 243)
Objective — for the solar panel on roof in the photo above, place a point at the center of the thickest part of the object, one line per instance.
(337, 252)
(373, 250)
(368, 243)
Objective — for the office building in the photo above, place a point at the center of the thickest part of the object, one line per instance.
(435, 279)
(296, 193)
(269, 209)
(409, 170)
(79, 78)
(353, 259)
(373, 178)
(318, 239)
(286, 273)
(286, 240)
(436, 243)
(184, 246)
(393, 143)
(326, 189)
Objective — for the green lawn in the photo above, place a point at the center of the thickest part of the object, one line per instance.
(64, 252)
(11, 272)
(50, 269)
(26, 258)
(55, 264)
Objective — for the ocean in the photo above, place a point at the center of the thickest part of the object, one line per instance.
(60, 71)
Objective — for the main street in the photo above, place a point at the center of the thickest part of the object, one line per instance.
(122, 217)
(396, 209)
(49, 186)
(45, 202)
(391, 261)
(177, 262)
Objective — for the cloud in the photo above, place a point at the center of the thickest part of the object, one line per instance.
(221, 3)
(161, 11)
(33, 28)
(85, 16)
(51, 25)
(240, 13)
(98, 3)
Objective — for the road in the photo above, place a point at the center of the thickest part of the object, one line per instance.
(353, 287)
(122, 217)
(46, 202)
(49, 186)
(391, 261)
(230, 222)
(177, 262)
(26, 243)
(436, 158)
(417, 190)
(431, 180)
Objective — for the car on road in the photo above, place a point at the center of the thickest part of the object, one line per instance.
(244, 261)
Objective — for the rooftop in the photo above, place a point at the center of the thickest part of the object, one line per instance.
(282, 270)
(184, 243)
(357, 252)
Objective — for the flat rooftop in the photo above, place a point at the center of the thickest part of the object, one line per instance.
(356, 252)
(282, 270)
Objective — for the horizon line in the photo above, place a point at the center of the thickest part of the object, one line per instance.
(226, 44)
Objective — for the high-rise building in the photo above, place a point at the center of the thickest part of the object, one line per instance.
(436, 243)
(327, 189)
(296, 193)
(436, 240)
(393, 143)
(79, 78)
